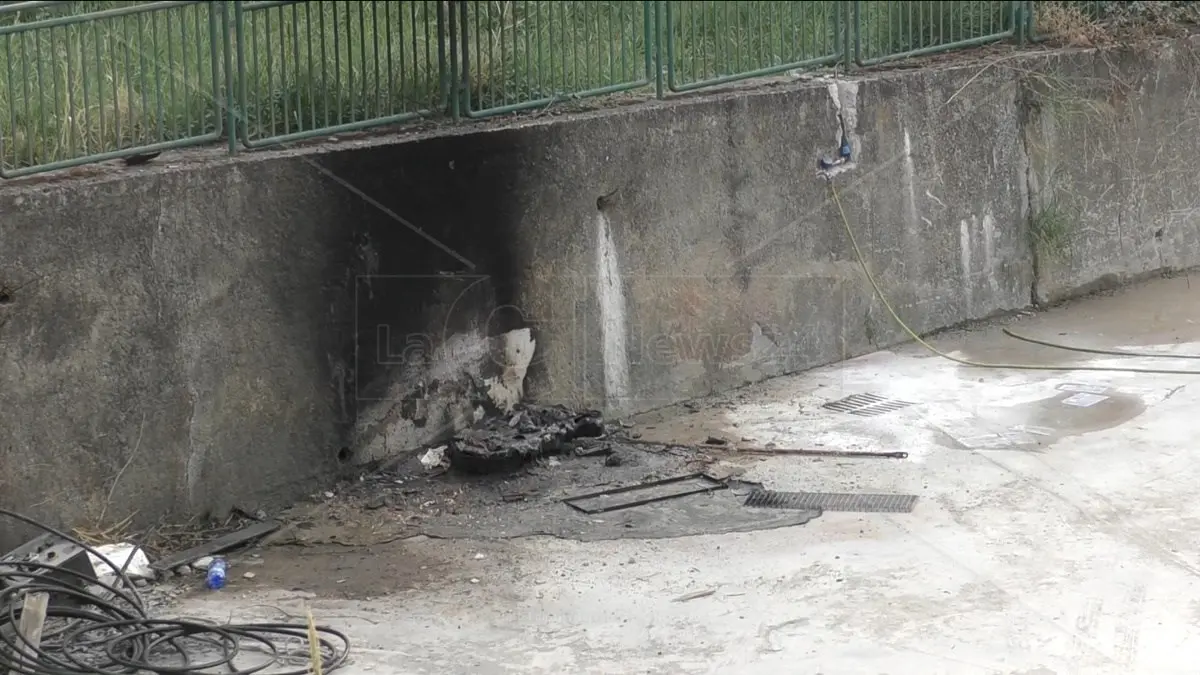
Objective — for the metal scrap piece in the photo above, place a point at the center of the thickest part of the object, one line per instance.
(866, 405)
(53, 553)
(699, 483)
(831, 501)
(241, 537)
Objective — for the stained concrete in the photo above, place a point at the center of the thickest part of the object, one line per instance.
(205, 334)
(1112, 167)
(1074, 556)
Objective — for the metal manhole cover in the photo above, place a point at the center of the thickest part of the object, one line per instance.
(866, 405)
(832, 501)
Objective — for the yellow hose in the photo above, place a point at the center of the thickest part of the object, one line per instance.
(979, 364)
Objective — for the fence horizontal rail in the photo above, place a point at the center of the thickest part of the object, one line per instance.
(82, 82)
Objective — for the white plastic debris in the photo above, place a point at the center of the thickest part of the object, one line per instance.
(434, 458)
(123, 556)
(480, 556)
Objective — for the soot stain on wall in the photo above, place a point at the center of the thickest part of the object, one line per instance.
(736, 178)
(413, 294)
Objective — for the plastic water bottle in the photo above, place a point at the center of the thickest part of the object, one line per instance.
(217, 572)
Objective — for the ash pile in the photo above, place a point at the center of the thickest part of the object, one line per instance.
(527, 433)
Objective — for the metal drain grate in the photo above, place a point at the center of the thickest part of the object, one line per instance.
(866, 405)
(831, 501)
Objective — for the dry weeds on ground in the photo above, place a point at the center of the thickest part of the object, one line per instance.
(1069, 23)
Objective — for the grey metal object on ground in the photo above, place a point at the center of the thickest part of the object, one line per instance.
(845, 454)
(866, 405)
(643, 493)
(56, 554)
(232, 540)
(832, 501)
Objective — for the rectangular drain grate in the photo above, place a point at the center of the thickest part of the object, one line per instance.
(866, 405)
(832, 501)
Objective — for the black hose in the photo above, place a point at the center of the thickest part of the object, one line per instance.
(88, 633)
(1092, 350)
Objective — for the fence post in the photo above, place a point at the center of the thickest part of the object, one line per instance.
(452, 41)
(231, 25)
(1017, 8)
(445, 76)
(849, 32)
(460, 80)
(659, 27)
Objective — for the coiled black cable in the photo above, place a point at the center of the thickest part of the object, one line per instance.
(110, 632)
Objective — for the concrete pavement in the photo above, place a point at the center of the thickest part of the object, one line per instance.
(1057, 531)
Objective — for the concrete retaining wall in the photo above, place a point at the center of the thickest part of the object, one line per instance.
(227, 333)
(1113, 139)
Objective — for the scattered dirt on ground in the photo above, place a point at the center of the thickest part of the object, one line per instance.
(351, 573)
(559, 453)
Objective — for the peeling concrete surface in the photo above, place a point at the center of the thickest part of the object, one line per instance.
(1076, 556)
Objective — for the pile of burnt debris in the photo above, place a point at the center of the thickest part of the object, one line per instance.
(505, 443)
(529, 432)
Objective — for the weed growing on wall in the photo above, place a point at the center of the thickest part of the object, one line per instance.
(1050, 231)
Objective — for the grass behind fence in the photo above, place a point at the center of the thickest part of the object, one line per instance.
(85, 86)
(335, 65)
(711, 41)
(530, 53)
(894, 29)
(79, 88)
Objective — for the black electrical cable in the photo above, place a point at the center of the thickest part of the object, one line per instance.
(1093, 350)
(110, 632)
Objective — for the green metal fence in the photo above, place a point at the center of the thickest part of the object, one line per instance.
(83, 82)
(891, 30)
(533, 53)
(307, 69)
(712, 42)
(119, 80)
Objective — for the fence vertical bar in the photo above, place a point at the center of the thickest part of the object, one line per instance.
(656, 61)
(848, 32)
(1018, 19)
(659, 27)
(462, 88)
(669, 28)
(452, 38)
(1030, 19)
(441, 38)
(230, 25)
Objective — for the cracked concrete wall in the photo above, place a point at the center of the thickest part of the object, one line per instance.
(217, 334)
(1113, 138)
